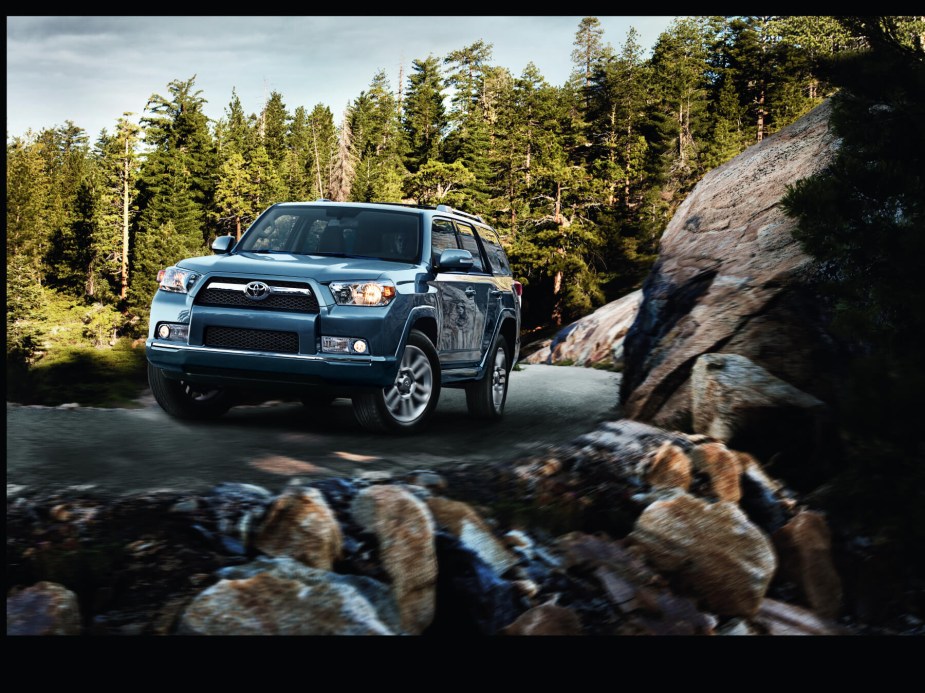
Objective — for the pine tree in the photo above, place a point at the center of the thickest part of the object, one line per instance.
(377, 142)
(28, 199)
(424, 115)
(469, 137)
(324, 146)
(679, 62)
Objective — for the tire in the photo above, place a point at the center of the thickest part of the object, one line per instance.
(485, 398)
(184, 400)
(404, 406)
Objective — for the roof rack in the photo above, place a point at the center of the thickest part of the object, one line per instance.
(440, 208)
(451, 210)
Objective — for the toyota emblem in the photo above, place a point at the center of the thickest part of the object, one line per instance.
(256, 291)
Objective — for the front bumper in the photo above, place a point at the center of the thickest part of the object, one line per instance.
(218, 366)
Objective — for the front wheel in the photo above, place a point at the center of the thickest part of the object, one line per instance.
(406, 404)
(485, 398)
(185, 400)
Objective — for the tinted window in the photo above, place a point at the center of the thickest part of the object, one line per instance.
(442, 237)
(469, 242)
(496, 256)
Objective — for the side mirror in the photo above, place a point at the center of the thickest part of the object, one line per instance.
(455, 259)
(222, 245)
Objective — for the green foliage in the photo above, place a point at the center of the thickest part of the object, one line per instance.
(110, 377)
(863, 219)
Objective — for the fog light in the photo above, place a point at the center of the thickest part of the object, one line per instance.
(178, 332)
(344, 345)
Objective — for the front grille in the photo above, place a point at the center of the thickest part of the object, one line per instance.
(252, 340)
(235, 297)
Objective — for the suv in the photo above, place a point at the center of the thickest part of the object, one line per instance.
(382, 303)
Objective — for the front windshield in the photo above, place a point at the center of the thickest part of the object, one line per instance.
(338, 231)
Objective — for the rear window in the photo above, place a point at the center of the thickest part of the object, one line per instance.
(469, 242)
(496, 256)
(338, 231)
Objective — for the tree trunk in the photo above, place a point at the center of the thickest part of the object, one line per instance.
(317, 163)
(123, 277)
(761, 112)
(237, 221)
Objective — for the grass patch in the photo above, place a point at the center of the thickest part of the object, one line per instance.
(98, 377)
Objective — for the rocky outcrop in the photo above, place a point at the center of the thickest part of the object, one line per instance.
(731, 279)
(619, 532)
(594, 339)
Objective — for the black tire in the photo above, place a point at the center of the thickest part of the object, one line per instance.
(184, 400)
(485, 398)
(406, 405)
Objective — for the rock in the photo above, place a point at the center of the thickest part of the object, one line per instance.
(429, 480)
(45, 608)
(270, 605)
(722, 466)
(670, 468)
(631, 443)
(235, 510)
(730, 278)
(464, 523)
(759, 497)
(405, 530)
(300, 524)
(713, 548)
(737, 402)
(778, 618)
(546, 619)
(471, 598)
(377, 593)
(594, 339)
(727, 388)
(804, 548)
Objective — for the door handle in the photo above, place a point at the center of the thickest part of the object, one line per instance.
(470, 292)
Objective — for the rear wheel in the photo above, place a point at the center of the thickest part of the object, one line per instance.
(185, 400)
(485, 398)
(406, 404)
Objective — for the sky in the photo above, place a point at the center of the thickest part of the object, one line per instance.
(91, 70)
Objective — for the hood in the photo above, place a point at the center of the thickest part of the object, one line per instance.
(320, 268)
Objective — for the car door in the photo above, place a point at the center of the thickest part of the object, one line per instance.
(462, 296)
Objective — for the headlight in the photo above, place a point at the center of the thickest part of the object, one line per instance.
(378, 293)
(177, 280)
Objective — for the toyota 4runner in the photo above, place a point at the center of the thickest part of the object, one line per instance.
(382, 303)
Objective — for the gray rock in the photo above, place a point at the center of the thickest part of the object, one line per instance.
(45, 608)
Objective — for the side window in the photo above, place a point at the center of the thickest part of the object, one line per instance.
(496, 257)
(442, 236)
(469, 242)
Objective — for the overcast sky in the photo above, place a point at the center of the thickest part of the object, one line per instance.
(92, 69)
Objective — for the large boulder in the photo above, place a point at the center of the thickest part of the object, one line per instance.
(730, 278)
(594, 339)
(301, 524)
(45, 608)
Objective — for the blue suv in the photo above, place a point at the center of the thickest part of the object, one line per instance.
(382, 303)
